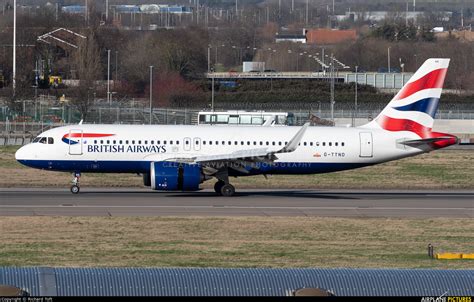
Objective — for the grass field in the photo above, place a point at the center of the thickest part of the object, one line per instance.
(232, 242)
(444, 169)
(246, 241)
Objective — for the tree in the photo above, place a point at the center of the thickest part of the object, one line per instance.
(88, 71)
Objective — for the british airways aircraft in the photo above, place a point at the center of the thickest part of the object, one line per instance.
(182, 157)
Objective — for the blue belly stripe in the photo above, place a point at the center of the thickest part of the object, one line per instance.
(144, 167)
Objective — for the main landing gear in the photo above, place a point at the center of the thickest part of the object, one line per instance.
(224, 189)
(75, 182)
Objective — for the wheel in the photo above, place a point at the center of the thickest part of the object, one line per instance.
(218, 186)
(227, 190)
(75, 189)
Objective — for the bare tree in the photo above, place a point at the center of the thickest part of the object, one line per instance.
(88, 71)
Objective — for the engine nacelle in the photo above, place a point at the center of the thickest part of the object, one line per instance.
(170, 176)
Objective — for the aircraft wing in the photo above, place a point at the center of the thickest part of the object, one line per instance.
(247, 157)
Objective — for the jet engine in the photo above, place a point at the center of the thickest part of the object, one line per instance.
(171, 176)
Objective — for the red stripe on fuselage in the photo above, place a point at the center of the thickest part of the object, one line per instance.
(434, 79)
(393, 124)
(86, 135)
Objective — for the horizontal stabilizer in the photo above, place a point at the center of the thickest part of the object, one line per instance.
(425, 141)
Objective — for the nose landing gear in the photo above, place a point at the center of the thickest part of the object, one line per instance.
(75, 182)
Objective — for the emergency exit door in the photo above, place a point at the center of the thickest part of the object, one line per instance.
(75, 142)
(366, 144)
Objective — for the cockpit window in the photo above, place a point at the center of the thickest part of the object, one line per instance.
(50, 140)
(36, 139)
(42, 140)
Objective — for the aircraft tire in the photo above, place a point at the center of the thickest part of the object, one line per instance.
(227, 190)
(218, 186)
(75, 189)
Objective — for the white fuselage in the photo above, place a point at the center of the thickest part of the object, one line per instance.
(131, 148)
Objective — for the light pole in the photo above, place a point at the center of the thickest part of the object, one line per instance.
(355, 100)
(332, 88)
(14, 47)
(116, 66)
(388, 54)
(212, 94)
(151, 90)
(106, 10)
(108, 78)
(208, 58)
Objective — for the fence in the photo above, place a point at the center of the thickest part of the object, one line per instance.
(118, 115)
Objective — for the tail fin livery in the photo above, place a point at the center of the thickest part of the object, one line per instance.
(414, 107)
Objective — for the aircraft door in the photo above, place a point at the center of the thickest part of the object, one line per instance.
(366, 144)
(197, 144)
(187, 144)
(75, 142)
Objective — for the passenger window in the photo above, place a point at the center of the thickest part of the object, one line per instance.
(235, 143)
(317, 144)
(254, 143)
(114, 142)
(157, 142)
(310, 143)
(177, 142)
(279, 143)
(273, 143)
(146, 142)
(330, 144)
(50, 141)
(95, 142)
(204, 142)
(164, 142)
(324, 143)
(152, 142)
(335, 144)
(242, 143)
(120, 142)
(187, 142)
(267, 143)
(342, 144)
(108, 142)
(101, 141)
(133, 142)
(230, 143)
(171, 142)
(126, 142)
(304, 143)
(210, 142)
(248, 143)
(139, 142)
(217, 142)
(197, 142)
(223, 142)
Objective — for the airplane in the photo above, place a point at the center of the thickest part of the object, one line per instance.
(181, 157)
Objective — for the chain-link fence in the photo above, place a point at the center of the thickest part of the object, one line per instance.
(37, 117)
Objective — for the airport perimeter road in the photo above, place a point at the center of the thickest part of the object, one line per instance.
(142, 202)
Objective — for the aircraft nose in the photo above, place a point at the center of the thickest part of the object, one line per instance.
(21, 153)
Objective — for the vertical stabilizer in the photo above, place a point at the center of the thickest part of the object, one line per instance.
(414, 107)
